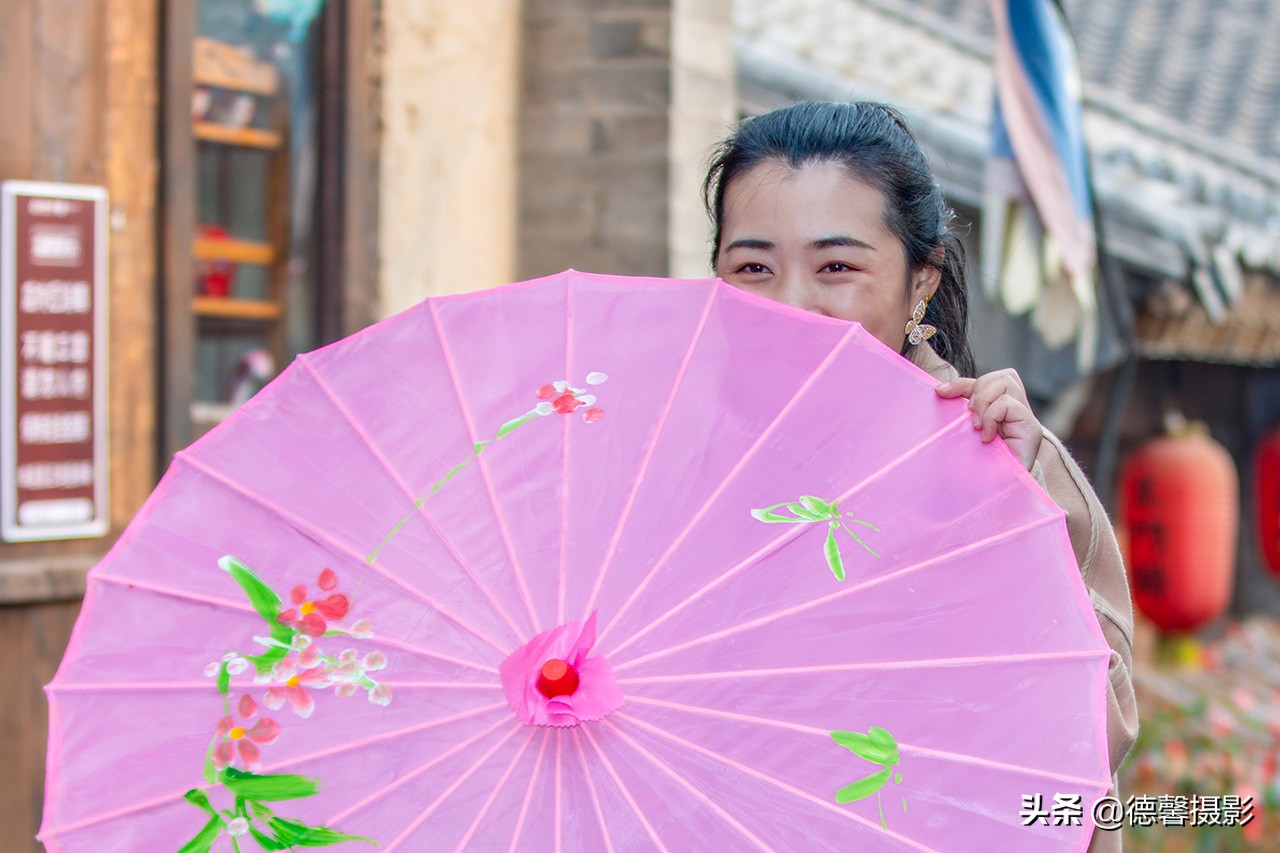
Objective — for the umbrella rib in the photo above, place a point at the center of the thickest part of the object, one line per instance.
(1001, 765)
(404, 487)
(386, 641)
(528, 794)
(406, 779)
(558, 789)
(187, 595)
(706, 504)
(591, 787)
(826, 733)
(484, 468)
(826, 599)
(143, 686)
(177, 795)
(493, 795)
(770, 547)
(626, 793)
(562, 581)
(684, 783)
(668, 404)
(778, 783)
(1099, 654)
(385, 736)
(299, 524)
(457, 783)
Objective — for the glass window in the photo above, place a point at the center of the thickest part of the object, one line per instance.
(254, 109)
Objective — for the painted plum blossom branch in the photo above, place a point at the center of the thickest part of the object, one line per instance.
(555, 398)
(292, 663)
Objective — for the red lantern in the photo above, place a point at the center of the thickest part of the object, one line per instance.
(1266, 480)
(1179, 499)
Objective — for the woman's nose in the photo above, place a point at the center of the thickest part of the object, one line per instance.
(799, 291)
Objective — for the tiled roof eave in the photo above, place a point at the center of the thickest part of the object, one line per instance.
(794, 49)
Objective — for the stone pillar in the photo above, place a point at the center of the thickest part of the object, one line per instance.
(450, 75)
(621, 101)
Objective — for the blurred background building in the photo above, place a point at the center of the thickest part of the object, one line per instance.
(282, 173)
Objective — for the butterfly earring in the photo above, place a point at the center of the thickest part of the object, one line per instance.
(917, 330)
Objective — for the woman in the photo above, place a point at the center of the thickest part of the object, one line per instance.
(833, 208)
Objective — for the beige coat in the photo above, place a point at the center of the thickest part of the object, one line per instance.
(1094, 543)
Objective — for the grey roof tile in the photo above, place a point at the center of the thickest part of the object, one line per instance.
(1212, 66)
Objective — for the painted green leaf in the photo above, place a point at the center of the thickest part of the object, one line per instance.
(513, 425)
(881, 738)
(856, 538)
(264, 662)
(834, 560)
(298, 834)
(267, 842)
(800, 511)
(818, 505)
(224, 679)
(260, 812)
(262, 597)
(268, 788)
(768, 515)
(198, 799)
(863, 523)
(210, 771)
(865, 747)
(203, 842)
(864, 787)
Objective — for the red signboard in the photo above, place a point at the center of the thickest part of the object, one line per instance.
(53, 430)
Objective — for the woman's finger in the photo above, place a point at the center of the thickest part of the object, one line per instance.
(1016, 424)
(953, 388)
(991, 386)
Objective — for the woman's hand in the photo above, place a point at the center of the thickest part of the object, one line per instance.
(1000, 407)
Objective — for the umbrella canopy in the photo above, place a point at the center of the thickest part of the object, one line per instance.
(585, 562)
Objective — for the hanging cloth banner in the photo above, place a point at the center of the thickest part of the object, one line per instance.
(1037, 178)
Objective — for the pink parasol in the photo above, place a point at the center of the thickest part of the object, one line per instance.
(586, 562)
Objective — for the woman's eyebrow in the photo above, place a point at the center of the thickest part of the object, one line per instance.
(749, 243)
(841, 240)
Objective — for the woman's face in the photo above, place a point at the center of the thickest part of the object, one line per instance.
(814, 237)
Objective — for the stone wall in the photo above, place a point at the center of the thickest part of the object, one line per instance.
(620, 100)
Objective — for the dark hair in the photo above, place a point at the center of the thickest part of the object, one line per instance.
(872, 142)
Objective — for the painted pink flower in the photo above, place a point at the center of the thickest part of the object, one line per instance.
(312, 616)
(350, 673)
(298, 671)
(563, 398)
(553, 680)
(566, 403)
(239, 740)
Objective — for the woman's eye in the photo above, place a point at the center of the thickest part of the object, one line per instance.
(752, 269)
(838, 266)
